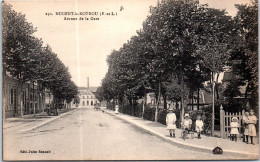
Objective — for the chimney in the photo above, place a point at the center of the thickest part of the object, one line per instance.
(88, 82)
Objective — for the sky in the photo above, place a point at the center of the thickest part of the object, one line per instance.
(83, 45)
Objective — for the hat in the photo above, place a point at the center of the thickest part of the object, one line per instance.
(234, 118)
(186, 115)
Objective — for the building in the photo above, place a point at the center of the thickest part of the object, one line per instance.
(152, 101)
(15, 95)
(86, 96)
(205, 99)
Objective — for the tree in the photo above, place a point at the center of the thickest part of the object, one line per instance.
(245, 51)
(18, 46)
(25, 59)
(214, 45)
(173, 45)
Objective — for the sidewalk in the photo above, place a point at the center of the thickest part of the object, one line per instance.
(206, 144)
(31, 122)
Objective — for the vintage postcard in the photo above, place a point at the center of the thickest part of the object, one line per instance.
(130, 80)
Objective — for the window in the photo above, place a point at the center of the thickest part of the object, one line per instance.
(83, 103)
(87, 96)
(87, 103)
(12, 96)
(91, 102)
(24, 98)
(83, 97)
(15, 100)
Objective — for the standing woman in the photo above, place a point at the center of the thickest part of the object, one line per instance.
(170, 122)
(252, 119)
(116, 109)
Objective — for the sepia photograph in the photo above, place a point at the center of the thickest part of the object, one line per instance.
(130, 80)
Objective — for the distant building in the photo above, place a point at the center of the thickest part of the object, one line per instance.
(205, 99)
(86, 96)
(151, 100)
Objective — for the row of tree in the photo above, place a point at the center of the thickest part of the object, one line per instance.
(182, 46)
(26, 59)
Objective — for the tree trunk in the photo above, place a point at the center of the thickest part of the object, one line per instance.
(4, 96)
(113, 103)
(132, 101)
(198, 99)
(164, 102)
(21, 94)
(34, 114)
(192, 102)
(216, 86)
(49, 98)
(144, 103)
(123, 103)
(182, 97)
(246, 90)
(158, 101)
(213, 105)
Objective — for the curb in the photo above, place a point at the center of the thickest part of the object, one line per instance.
(10, 119)
(48, 121)
(182, 144)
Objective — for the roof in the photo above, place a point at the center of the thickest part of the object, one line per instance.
(92, 89)
(228, 76)
(85, 92)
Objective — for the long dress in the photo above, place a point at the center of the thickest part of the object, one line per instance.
(251, 125)
(199, 125)
(245, 123)
(170, 121)
(116, 109)
(234, 128)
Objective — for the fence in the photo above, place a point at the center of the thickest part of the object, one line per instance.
(225, 120)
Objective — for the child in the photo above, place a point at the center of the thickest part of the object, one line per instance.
(234, 129)
(170, 122)
(245, 126)
(252, 119)
(199, 126)
(186, 125)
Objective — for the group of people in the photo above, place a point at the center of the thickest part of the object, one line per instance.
(186, 124)
(248, 127)
(249, 121)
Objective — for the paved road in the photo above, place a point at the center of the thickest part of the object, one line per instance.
(92, 135)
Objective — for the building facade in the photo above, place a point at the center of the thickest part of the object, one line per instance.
(16, 96)
(87, 97)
